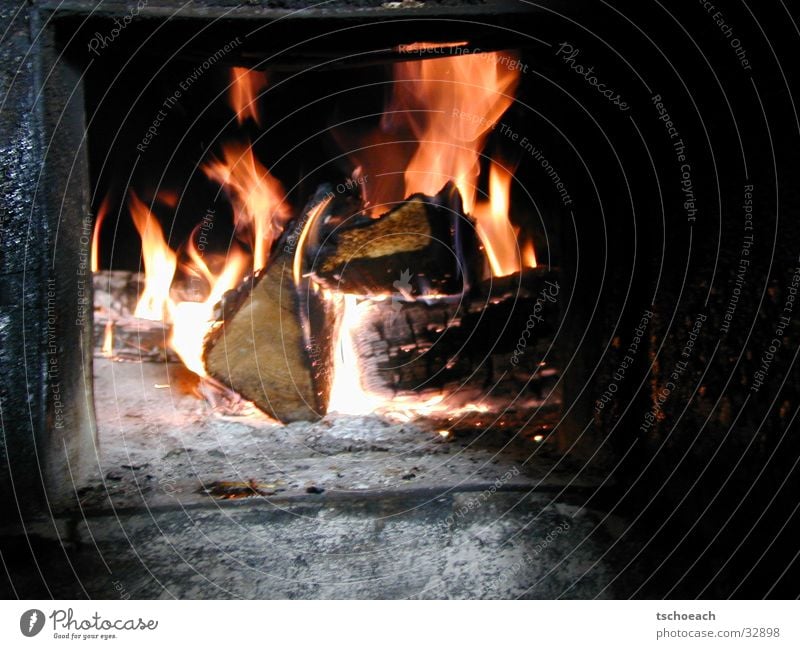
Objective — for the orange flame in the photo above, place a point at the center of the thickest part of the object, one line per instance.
(257, 198)
(159, 263)
(529, 255)
(191, 321)
(448, 105)
(499, 237)
(245, 86)
(168, 197)
(101, 215)
(108, 340)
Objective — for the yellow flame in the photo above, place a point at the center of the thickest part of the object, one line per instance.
(191, 321)
(311, 218)
(108, 340)
(347, 396)
(159, 263)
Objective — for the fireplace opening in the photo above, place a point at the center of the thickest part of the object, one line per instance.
(299, 259)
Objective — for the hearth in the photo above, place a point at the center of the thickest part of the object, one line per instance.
(345, 247)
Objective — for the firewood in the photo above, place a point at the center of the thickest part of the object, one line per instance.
(273, 344)
(426, 243)
(445, 342)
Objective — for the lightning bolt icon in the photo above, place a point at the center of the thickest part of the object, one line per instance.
(32, 621)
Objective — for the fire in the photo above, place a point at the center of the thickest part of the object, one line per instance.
(101, 215)
(245, 86)
(529, 255)
(499, 237)
(449, 105)
(260, 211)
(108, 340)
(446, 107)
(311, 218)
(434, 130)
(159, 263)
(191, 321)
(347, 396)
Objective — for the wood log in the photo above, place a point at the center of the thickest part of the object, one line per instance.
(503, 332)
(273, 344)
(427, 245)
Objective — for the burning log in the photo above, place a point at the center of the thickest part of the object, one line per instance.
(425, 245)
(503, 334)
(273, 344)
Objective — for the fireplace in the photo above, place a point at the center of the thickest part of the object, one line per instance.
(377, 265)
(348, 247)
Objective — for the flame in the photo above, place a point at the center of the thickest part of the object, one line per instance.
(347, 396)
(101, 215)
(529, 255)
(245, 86)
(191, 321)
(499, 237)
(435, 128)
(108, 340)
(260, 211)
(159, 263)
(311, 217)
(168, 197)
(448, 105)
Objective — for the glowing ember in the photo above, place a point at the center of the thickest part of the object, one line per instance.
(159, 263)
(246, 84)
(260, 211)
